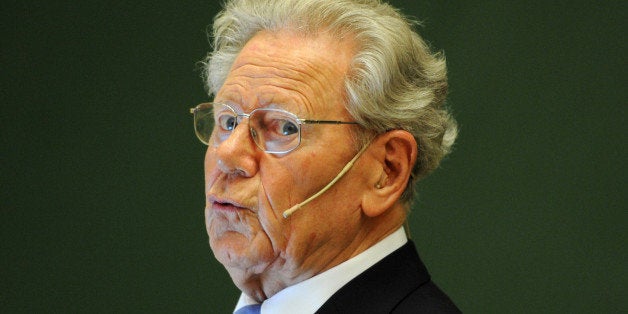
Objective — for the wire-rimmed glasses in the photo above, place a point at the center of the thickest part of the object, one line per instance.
(274, 131)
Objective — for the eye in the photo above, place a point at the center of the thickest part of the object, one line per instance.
(288, 127)
(227, 122)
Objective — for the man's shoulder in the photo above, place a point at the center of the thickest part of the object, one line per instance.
(399, 283)
(428, 298)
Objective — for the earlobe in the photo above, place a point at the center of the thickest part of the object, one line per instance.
(395, 154)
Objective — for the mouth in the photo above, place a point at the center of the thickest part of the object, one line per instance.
(225, 205)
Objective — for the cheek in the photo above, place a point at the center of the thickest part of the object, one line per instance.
(210, 166)
(288, 183)
(280, 186)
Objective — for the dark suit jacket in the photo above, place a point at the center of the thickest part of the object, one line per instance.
(399, 283)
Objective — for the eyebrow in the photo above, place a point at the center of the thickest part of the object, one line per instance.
(282, 107)
(274, 105)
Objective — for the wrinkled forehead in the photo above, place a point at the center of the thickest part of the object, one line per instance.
(282, 70)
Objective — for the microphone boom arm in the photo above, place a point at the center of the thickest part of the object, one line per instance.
(342, 172)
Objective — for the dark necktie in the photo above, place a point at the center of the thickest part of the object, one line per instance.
(249, 309)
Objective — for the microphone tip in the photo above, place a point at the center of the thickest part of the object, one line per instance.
(291, 210)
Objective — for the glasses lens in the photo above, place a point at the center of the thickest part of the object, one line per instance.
(203, 122)
(275, 131)
(226, 121)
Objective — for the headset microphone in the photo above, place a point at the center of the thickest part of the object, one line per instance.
(342, 172)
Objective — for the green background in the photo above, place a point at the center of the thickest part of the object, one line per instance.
(102, 188)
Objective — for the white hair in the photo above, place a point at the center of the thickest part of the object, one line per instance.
(395, 81)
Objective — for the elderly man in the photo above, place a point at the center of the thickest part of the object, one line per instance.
(325, 113)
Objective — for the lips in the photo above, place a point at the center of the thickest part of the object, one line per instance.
(225, 204)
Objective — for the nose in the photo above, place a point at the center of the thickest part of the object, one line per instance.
(237, 154)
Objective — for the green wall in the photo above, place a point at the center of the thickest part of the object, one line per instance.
(102, 188)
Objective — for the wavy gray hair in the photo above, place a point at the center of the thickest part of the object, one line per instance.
(395, 81)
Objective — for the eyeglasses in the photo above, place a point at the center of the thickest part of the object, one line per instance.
(274, 131)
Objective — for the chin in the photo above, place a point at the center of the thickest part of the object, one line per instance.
(234, 252)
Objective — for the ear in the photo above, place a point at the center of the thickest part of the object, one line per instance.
(394, 154)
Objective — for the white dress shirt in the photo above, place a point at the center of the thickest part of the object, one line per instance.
(309, 295)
